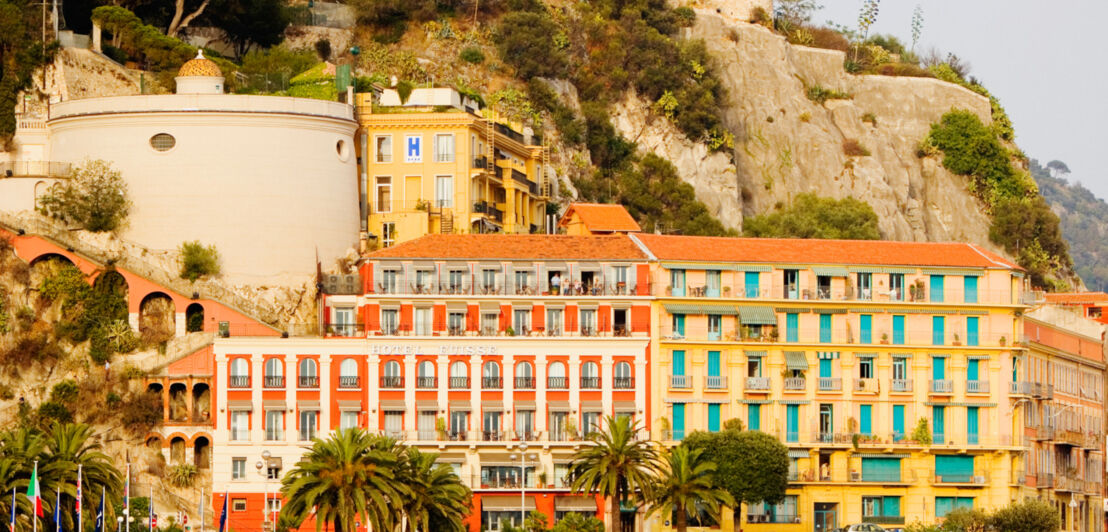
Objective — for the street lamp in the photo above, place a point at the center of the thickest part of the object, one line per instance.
(522, 480)
(263, 469)
(126, 515)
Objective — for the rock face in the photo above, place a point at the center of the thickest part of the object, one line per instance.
(787, 144)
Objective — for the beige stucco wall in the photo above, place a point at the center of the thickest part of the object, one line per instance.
(261, 178)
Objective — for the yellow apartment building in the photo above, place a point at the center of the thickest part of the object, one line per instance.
(842, 349)
(434, 164)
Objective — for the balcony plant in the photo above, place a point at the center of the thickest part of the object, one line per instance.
(440, 428)
(1003, 341)
(727, 291)
(922, 433)
(664, 426)
(957, 340)
(885, 338)
(773, 334)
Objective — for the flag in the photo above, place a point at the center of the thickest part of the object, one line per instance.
(223, 515)
(11, 525)
(99, 527)
(77, 503)
(33, 492)
(127, 491)
(58, 511)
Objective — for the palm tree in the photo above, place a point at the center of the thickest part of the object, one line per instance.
(438, 499)
(616, 465)
(67, 446)
(684, 484)
(349, 475)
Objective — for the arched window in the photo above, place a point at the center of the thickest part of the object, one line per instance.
(491, 369)
(426, 369)
(348, 374)
(240, 368)
(308, 368)
(556, 376)
(590, 378)
(458, 369)
(274, 367)
(392, 368)
(459, 377)
(622, 370)
(525, 375)
(557, 369)
(589, 369)
(621, 376)
(391, 377)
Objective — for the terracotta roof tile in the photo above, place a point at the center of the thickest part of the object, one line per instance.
(603, 217)
(515, 247)
(812, 251)
(1076, 298)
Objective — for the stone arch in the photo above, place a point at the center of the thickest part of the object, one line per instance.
(177, 450)
(154, 387)
(46, 265)
(194, 318)
(157, 318)
(113, 286)
(47, 257)
(202, 452)
(178, 402)
(41, 188)
(154, 442)
(201, 402)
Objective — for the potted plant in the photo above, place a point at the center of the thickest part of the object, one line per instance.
(1003, 341)
(542, 478)
(571, 429)
(510, 331)
(727, 291)
(440, 427)
(957, 340)
(884, 338)
(773, 334)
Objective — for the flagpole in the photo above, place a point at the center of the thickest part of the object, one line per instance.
(150, 517)
(80, 506)
(202, 504)
(34, 514)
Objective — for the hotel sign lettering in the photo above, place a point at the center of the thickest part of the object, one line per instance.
(382, 349)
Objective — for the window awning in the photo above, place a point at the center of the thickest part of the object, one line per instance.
(796, 360)
(460, 405)
(798, 453)
(755, 354)
(682, 308)
(240, 404)
(274, 404)
(557, 406)
(505, 503)
(427, 405)
(393, 405)
(307, 405)
(827, 355)
(524, 405)
(592, 406)
(831, 271)
(575, 504)
(623, 406)
(350, 405)
(492, 406)
(749, 315)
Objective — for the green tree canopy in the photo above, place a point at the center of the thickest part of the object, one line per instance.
(526, 41)
(93, 197)
(21, 52)
(810, 216)
(752, 465)
(686, 484)
(616, 464)
(1029, 515)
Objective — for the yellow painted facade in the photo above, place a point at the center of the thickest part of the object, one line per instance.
(442, 169)
(842, 374)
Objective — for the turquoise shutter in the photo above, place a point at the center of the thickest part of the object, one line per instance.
(943, 506)
(938, 329)
(713, 285)
(866, 336)
(713, 363)
(972, 369)
(971, 289)
(937, 288)
(825, 328)
(971, 425)
(898, 422)
(938, 368)
(679, 363)
(898, 330)
(679, 324)
(751, 281)
(972, 330)
(824, 368)
(954, 468)
(881, 470)
(792, 322)
(892, 506)
(713, 417)
(938, 424)
(678, 421)
(677, 282)
(865, 413)
(754, 417)
(792, 420)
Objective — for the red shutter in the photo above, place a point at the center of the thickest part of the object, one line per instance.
(405, 318)
(372, 317)
(366, 269)
(439, 318)
(642, 280)
(473, 317)
(538, 318)
(505, 317)
(571, 318)
(605, 318)
(640, 318)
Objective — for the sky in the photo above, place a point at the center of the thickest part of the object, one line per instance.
(1041, 59)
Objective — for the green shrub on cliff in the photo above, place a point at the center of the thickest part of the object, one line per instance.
(810, 216)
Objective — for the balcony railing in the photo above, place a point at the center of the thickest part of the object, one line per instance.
(494, 435)
(772, 518)
(902, 385)
(350, 382)
(393, 381)
(679, 381)
(346, 329)
(557, 383)
(34, 168)
(942, 386)
(590, 383)
(977, 386)
(623, 383)
(274, 381)
(883, 519)
(426, 382)
(865, 385)
(492, 383)
(238, 381)
(876, 476)
(525, 383)
(459, 383)
(830, 384)
(961, 479)
(757, 383)
(715, 382)
(795, 383)
(308, 382)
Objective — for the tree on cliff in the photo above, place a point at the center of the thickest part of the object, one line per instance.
(21, 52)
(94, 197)
(810, 216)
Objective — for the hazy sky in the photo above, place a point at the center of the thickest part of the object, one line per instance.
(1041, 59)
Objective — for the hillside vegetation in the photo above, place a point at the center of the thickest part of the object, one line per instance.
(1084, 220)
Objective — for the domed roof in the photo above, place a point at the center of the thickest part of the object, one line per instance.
(199, 66)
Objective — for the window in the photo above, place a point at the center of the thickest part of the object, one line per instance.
(713, 417)
(240, 425)
(954, 468)
(238, 505)
(491, 426)
(865, 286)
(384, 194)
(388, 234)
(898, 422)
(556, 376)
(970, 288)
(163, 142)
(677, 283)
(490, 375)
(865, 326)
(678, 421)
(554, 324)
(309, 377)
(238, 469)
(880, 507)
(898, 330)
(825, 328)
(459, 423)
(274, 425)
(525, 375)
(792, 284)
(943, 505)
(521, 320)
(590, 421)
(390, 320)
(972, 330)
(590, 375)
(348, 374)
(865, 419)
(488, 281)
(865, 368)
(389, 280)
(679, 362)
(826, 422)
(348, 419)
(309, 424)
(750, 279)
(444, 148)
(823, 286)
(792, 423)
(444, 191)
(792, 327)
(938, 424)
(753, 417)
(391, 375)
(525, 424)
(896, 287)
(621, 277)
(937, 288)
(588, 322)
(783, 512)
(713, 287)
(274, 373)
(622, 376)
(490, 323)
(523, 281)
(715, 326)
(456, 323)
(678, 325)
(754, 366)
(900, 368)
(972, 435)
(938, 330)
(394, 424)
(422, 322)
(240, 373)
(384, 148)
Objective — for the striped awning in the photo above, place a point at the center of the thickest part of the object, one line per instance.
(758, 268)
(623, 406)
(393, 405)
(793, 402)
(827, 355)
(307, 404)
(557, 406)
(460, 405)
(749, 315)
(798, 453)
(350, 406)
(754, 354)
(754, 401)
(505, 503)
(865, 355)
(830, 271)
(978, 357)
(274, 404)
(240, 404)
(796, 360)
(426, 405)
(881, 455)
(492, 406)
(580, 503)
(978, 405)
(965, 272)
(682, 308)
(524, 405)
(592, 406)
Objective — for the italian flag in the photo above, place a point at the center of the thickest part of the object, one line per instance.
(34, 493)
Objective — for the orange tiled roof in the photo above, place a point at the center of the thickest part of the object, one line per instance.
(813, 251)
(1076, 298)
(515, 247)
(602, 217)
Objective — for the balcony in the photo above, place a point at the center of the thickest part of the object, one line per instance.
(426, 382)
(1020, 388)
(590, 383)
(350, 382)
(758, 383)
(942, 386)
(308, 382)
(795, 383)
(1067, 483)
(623, 383)
(902, 385)
(679, 381)
(274, 381)
(830, 384)
(557, 383)
(525, 383)
(394, 381)
(883, 519)
(715, 382)
(973, 480)
(494, 435)
(238, 381)
(774, 518)
(492, 383)
(459, 383)
(977, 386)
(34, 168)
(888, 477)
(865, 385)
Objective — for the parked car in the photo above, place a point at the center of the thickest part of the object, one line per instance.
(863, 527)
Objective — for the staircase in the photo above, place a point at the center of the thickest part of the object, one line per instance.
(446, 223)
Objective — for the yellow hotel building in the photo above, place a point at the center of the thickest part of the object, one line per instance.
(434, 164)
(841, 349)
